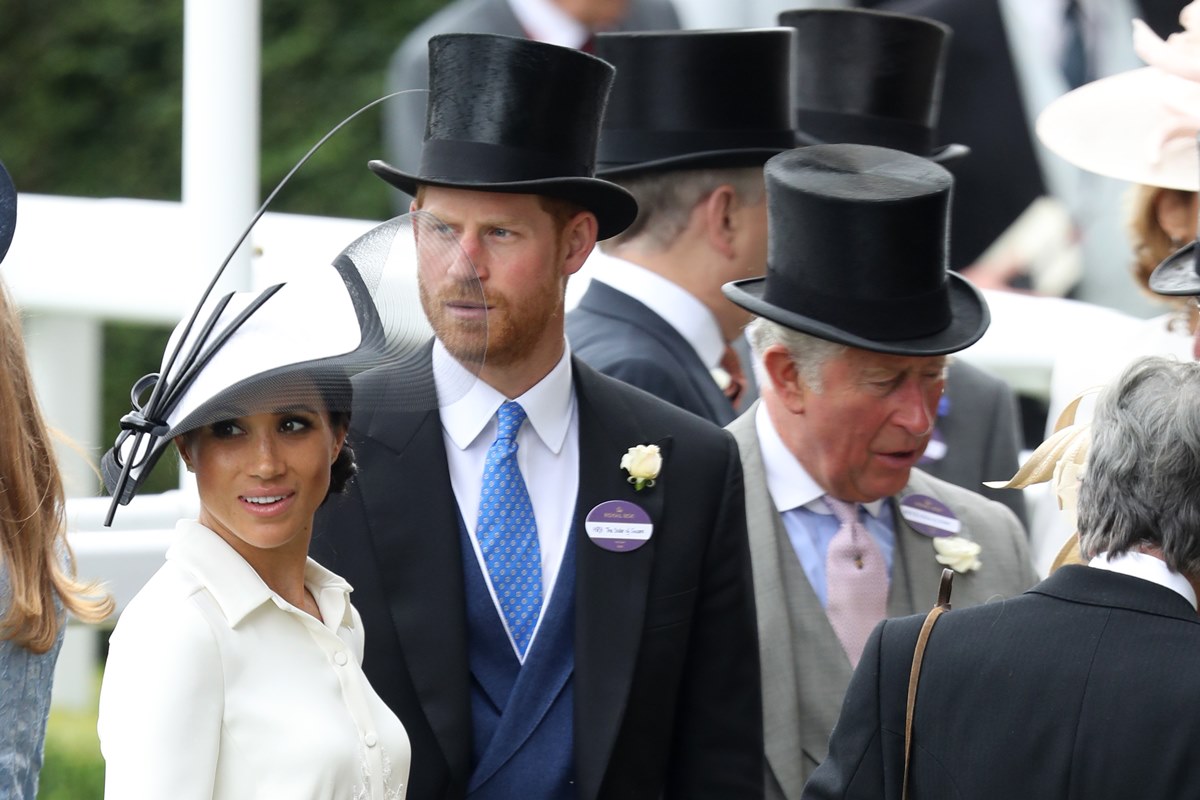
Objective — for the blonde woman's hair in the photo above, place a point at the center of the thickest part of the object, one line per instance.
(1152, 244)
(33, 537)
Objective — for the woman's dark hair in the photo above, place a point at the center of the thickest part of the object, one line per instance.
(343, 468)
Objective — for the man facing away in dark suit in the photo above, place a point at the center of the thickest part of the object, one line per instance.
(1084, 686)
(692, 118)
(553, 569)
(856, 316)
(568, 23)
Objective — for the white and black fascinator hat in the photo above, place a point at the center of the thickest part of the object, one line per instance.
(306, 342)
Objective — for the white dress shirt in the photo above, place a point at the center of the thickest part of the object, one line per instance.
(547, 454)
(1148, 568)
(678, 307)
(218, 688)
(809, 522)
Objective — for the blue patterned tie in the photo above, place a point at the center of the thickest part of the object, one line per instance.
(507, 531)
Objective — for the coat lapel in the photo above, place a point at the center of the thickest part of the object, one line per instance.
(413, 518)
(781, 701)
(611, 588)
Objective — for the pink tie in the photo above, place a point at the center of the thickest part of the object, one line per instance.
(857, 580)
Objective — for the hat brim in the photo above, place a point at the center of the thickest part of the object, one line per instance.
(1176, 275)
(942, 154)
(8, 211)
(949, 153)
(711, 159)
(1118, 127)
(614, 207)
(969, 317)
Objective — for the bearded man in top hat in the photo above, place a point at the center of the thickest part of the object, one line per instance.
(692, 118)
(856, 315)
(874, 77)
(560, 609)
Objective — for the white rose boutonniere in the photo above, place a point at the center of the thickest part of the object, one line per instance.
(957, 553)
(643, 463)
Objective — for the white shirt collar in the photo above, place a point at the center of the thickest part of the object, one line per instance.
(788, 482)
(546, 22)
(547, 404)
(1148, 568)
(678, 307)
(238, 589)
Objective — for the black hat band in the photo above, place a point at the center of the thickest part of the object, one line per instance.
(913, 316)
(818, 127)
(484, 162)
(633, 146)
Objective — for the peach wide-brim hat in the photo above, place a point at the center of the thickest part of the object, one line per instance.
(1129, 126)
(1141, 125)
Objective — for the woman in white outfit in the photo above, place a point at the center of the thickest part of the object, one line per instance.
(235, 672)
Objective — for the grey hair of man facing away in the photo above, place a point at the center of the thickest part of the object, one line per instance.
(666, 201)
(1139, 491)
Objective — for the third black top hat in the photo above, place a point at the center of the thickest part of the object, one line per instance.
(513, 115)
(869, 77)
(693, 99)
(857, 253)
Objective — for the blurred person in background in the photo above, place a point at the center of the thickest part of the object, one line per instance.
(1138, 126)
(37, 586)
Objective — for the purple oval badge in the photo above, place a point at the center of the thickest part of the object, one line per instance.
(618, 525)
(928, 516)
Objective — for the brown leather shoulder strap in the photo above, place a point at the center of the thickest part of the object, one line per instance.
(943, 605)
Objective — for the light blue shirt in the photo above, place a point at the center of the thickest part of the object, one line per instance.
(25, 680)
(809, 523)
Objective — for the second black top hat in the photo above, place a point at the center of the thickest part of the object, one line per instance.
(513, 115)
(693, 99)
(869, 77)
(857, 253)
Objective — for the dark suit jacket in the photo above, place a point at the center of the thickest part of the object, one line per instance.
(666, 669)
(982, 108)
(404, 118)
(982, 432)
(621, 337)
(1083, 687)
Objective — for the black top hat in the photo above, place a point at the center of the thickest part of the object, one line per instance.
(693, 99)
(857, 253)
(869, 77)
(512, 115)
(8, 211)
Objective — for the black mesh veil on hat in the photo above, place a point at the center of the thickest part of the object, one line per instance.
(308, 341)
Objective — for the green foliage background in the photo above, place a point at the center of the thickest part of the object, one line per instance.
(91, 101)
(91, 104)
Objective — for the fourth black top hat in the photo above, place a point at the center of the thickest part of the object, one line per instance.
(869, 77)
(695, 99)
(857, 253)
(513, 115)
